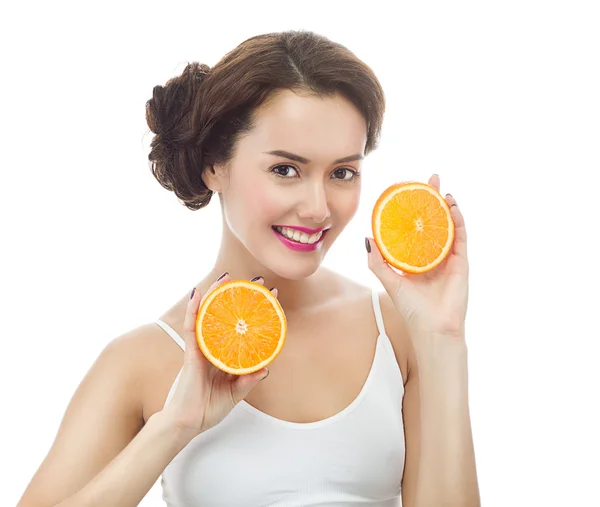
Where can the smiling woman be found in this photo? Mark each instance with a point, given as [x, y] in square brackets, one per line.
[278, 130]
[300, 161]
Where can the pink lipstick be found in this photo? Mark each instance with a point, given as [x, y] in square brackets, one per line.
[296, 245]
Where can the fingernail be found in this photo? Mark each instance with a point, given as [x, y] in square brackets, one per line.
[222, 276]
[367, 245]
[271, 288]
[265, 375]
[193, 292]
[256, 278]
[449, 195]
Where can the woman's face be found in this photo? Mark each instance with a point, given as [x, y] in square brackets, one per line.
[297, 169]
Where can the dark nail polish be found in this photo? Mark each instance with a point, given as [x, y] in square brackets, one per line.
[271, 288]
[193, 292]
[222, 276]
[367, 245]
[265, 375]
[256, 278]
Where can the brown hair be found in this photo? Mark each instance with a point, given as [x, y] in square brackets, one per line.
[198, 116]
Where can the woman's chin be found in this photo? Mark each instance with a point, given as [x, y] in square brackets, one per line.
[290, 262]
[293, 268]
[296, 272]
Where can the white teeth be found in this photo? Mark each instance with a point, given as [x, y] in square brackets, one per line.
[299, 237]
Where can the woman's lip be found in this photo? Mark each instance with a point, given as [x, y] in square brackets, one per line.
[302, 229]
[299, 247]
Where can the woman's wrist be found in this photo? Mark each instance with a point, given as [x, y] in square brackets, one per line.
[434, 347]
[172, 429]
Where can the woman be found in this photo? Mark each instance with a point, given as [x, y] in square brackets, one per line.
[366, 404]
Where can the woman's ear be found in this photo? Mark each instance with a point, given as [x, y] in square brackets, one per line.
[211, 178]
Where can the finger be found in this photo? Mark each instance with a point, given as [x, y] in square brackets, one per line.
[460, 231]
[434, 181]
[189, 322]
[245, 383]
[274, 291]
[191, 314]
[389, 278]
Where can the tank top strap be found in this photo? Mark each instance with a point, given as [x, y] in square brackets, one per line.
[392, 373]
[171, 332]
[179, 341]
[377, 311]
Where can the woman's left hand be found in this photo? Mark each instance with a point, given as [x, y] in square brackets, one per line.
[432, 303]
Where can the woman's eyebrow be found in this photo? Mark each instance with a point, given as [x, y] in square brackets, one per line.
[303, 160]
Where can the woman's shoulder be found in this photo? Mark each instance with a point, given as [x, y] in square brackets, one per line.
[397, 331]
[152, 358]
[345, 291]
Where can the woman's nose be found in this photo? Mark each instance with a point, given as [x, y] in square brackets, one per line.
[314, 205]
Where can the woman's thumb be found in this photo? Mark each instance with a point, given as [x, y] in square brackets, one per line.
[245, 383]
[381, 269]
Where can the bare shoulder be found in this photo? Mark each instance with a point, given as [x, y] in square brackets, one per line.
[139, 361]
[345, 291]
[397, 332]
[161, 363]
[150, 354]
[155, 358]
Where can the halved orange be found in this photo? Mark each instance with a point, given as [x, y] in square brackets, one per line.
[240, 327]
[412, 226]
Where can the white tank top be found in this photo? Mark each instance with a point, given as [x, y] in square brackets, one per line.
[251, 459]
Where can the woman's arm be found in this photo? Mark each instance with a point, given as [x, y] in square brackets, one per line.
[130, 475]
[439, 468]
[100, 456]
[433, 307]
[446, 474]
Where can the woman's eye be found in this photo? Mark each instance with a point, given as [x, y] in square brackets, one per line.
[345, 174]
[285, 171]
[289, 171]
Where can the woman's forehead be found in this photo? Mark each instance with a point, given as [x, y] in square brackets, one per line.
[310, 126]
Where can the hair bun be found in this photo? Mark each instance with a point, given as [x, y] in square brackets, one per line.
[171, 103]
[175, 160]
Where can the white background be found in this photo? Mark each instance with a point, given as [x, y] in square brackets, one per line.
[502, 99]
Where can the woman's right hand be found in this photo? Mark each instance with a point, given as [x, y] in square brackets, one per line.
[205, 394]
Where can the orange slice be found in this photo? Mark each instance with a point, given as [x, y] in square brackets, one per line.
[413, 227]
[240, 327]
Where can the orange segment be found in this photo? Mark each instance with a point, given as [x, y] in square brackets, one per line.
[413, 227]
[241, 327]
